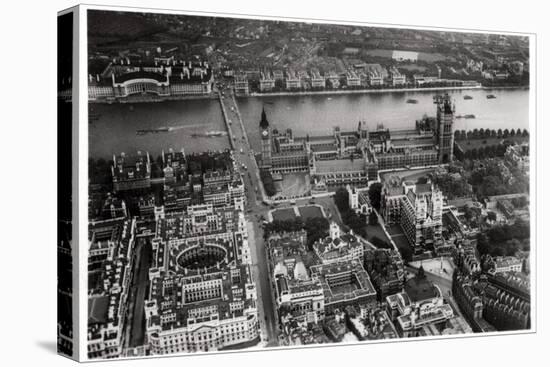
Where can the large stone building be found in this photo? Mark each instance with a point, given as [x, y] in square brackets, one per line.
[313, 285]
[161, 77]
[385, 268]
[501, 301]
[419, 308]
[202, 296]
[417, 208]
[298, 297]
[355, 157]
[131, 172]
[338, 247]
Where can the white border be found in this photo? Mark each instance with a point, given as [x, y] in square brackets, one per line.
[533, 98]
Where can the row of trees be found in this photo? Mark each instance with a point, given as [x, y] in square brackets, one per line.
[490, 133]
[488, 151]
[505, 240]
[269, 184]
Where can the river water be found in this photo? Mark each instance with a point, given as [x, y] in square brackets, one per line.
[114, 128]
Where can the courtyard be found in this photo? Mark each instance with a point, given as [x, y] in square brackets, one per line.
[293, 185]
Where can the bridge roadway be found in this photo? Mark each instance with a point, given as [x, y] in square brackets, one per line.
[256, 210]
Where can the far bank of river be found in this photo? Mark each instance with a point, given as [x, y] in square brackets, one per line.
[213, 95]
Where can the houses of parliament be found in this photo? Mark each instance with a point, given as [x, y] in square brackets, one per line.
[355, 157]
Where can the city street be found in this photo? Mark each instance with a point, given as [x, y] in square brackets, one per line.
[136, 321]
[255, 210]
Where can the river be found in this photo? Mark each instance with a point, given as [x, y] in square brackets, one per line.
[114, 128]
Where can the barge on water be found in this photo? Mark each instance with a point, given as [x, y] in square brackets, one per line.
[153, 131]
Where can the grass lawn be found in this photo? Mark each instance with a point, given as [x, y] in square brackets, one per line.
[283, 214]
[470, 144]
[310, 211]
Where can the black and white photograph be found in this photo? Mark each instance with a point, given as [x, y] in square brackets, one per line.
[274, 183]
[260, 183]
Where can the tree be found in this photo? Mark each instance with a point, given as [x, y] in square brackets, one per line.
[380, 243]
[493, 133]
[481, 152]
[341, 198]
[518, 132]
[499, 133]
[316, 228]
[525, 133]
[491, 216]
[373, 218]
[375, 194]
[267, 180]
[512, 133]
[505, 133]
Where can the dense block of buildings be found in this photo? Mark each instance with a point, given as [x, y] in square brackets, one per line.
[110, 263]
[338, 247]
[131, 172]
[240, 84]
[355, 157]
[202, 296]
[344, 284]
[267, 81]
[315, 286]
[420, 309]
[385, 268]
[298, 297]
[501, 300]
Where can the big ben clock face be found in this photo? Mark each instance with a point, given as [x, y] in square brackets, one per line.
[264, 133]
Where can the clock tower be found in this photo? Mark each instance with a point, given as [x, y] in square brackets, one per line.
[444, 127]
[265, 139]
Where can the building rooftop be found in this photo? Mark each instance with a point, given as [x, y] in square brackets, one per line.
[340, 165]
[420, 289]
